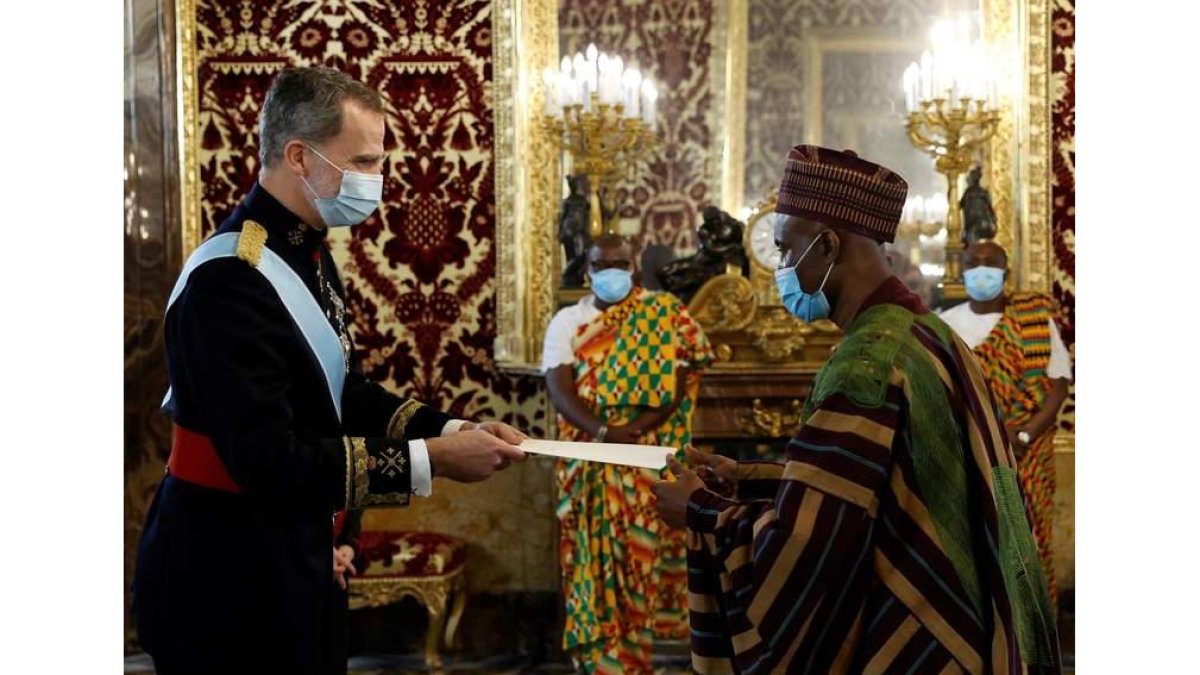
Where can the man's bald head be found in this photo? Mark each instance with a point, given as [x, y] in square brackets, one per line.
[610, 251]
[986, 253]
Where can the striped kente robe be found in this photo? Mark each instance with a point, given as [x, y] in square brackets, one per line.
[894, 540]
[1014, 358]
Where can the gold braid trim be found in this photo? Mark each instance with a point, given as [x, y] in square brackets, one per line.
[251, 242]
[361, 482]
[402, 417]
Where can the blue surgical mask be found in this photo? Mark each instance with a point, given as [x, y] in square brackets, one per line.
[984, 284]
[612, 285]
[359, 197]
[807, 307]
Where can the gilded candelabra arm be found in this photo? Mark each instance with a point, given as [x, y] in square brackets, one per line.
[939, 112]
[923, 142]
[986, 125]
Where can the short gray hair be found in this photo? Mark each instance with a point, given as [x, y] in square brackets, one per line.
[306, 104]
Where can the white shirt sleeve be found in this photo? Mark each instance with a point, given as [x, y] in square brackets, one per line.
[1060, 359]
[556, 349]
[452, 427]
[422, 473]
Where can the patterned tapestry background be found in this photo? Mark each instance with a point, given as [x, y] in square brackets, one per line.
[671, 41]
[420, 273]
[1062, 223]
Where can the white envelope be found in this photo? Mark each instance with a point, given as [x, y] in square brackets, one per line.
[644, 456]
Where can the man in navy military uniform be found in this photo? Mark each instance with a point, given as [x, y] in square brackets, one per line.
[275, 428]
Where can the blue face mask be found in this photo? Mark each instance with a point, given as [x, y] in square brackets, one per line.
[984, 283]
[358, 198]
[807, 307]
[612, 285]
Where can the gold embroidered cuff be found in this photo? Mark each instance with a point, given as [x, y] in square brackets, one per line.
[361, 482]
[401, 418]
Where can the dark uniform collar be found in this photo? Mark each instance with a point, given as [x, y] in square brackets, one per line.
[282, 225]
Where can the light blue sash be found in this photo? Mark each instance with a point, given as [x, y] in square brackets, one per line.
[299, 302]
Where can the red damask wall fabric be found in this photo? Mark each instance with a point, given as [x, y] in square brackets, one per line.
[1062, 217]
[420, 272]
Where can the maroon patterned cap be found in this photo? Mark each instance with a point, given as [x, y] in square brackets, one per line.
[842, 191]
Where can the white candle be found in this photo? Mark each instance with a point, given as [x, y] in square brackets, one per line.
[613, 78]
[650, 92]
[926, 75]
[602, 77]
[618, 68]
[565, 89]
[910, 87]
[632, 80]
[593, 64]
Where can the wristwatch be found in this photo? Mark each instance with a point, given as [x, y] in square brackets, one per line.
[601, 433]
[1024, 437]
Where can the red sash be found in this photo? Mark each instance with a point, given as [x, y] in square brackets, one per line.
[195, 460]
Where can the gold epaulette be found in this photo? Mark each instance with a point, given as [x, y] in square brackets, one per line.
[251, 242]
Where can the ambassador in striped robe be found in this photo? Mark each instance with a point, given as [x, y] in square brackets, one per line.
[894, 539]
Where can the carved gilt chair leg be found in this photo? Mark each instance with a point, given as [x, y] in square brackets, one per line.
[436, 606]
[459, 589]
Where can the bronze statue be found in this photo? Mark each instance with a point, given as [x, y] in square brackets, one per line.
[573, 232]
[721, 247]
[979, 218]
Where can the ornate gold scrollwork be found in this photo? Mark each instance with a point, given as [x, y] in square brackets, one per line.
[724, 353]
[725, 302]
[772, 423]
[779, 335]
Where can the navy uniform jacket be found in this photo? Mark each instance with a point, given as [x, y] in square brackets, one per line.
[224, 577]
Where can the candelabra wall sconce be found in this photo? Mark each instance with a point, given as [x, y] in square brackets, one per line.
[952, 114]
[604, 115]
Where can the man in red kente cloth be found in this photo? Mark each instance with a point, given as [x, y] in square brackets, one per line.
[894, 538]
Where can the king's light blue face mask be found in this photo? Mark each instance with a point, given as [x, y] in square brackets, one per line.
[807, 307]
[984, 284]
[612, 285]
[359, 197]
